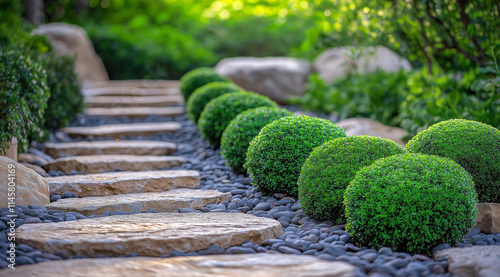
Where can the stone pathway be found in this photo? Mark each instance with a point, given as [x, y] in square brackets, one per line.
[125, 91]
[118, 130]
[132, 101]
[134, 111]
[135, 84]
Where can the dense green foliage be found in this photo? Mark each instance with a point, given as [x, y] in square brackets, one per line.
[66, 100]
[242, 129]
[331, 167]
[219, 112]
[202, 95]
[23, 97]
[275, 156]
[411, 203]
[197, 78]
[473, 145]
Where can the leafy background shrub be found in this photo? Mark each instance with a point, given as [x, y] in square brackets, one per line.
[219, 112]
[411, 203]
[202, 95]
[473, 145]
[275, 156]
[198, 78]
[242, 129]
[331, 167]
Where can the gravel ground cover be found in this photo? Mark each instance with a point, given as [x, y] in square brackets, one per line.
[302, 234]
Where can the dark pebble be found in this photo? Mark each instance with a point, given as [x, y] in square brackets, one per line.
[240, 250]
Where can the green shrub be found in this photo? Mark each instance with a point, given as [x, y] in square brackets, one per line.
[221, 110]
[473, 145]
[411, 203]
[66, 100]
[23, 97]
[201, 96]
[329, 169]
[275, 156]
[242, 129]
[198, 78]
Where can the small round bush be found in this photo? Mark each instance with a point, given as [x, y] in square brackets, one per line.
[201, 96]
[275, 156]
[473, 145]
[198, 78]
[331, 166]
[221, 110]
[411, 203]
[242, 129]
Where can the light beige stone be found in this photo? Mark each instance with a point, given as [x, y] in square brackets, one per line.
[278, 78]
[370, 127]
[261, 265]
[110, 147]
[30, 187]
[488, 219]
[480, 261]
[118, 130]
[105, 163]
[11, 151]
[72, 40]
[113, 183]
[132, 101]
[163, 201]
[36, 168]
[129, 91]
[32, 159]
[335, 63]
[148, 234]
[135, 83]
[134, 111]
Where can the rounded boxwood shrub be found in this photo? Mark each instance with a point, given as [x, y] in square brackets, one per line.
[473, 145]
[411, 203]
[197, 78]
[202, 95]
[275, 156]
[329, 169]
[221, 110]
[242, 129]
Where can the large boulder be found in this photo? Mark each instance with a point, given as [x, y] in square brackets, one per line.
[30, 187]
[480, 261]
[72, 40]
[488, 219]
[279, 78]
[335, 62]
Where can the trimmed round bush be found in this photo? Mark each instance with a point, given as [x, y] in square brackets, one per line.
[242, 129]
[197, 78]
[473, 145]
[221, 110]
[330, 167]
[275, 156]
[201, 96]
[411, 203]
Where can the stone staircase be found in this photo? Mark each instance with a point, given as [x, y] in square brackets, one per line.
[143, 182]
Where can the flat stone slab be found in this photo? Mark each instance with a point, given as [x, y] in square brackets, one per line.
[135, 83]
[165, 201]
[114, 183]
[105, 163]
[262, 265]
[134, 111]
[147, 234]
[481, 261]
[118, 130]
[488, 219]
[133, 101]
[129, 91]
[110, 147]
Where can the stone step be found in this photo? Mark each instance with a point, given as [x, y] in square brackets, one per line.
[106, 163]
[472, 261]
[134, 111]
[129, 91]
[118, 130]
[133, 101]
[147, 234]
[135, 84]
[110, 147]
[113, 183]
[164, 201]
[263, 265]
